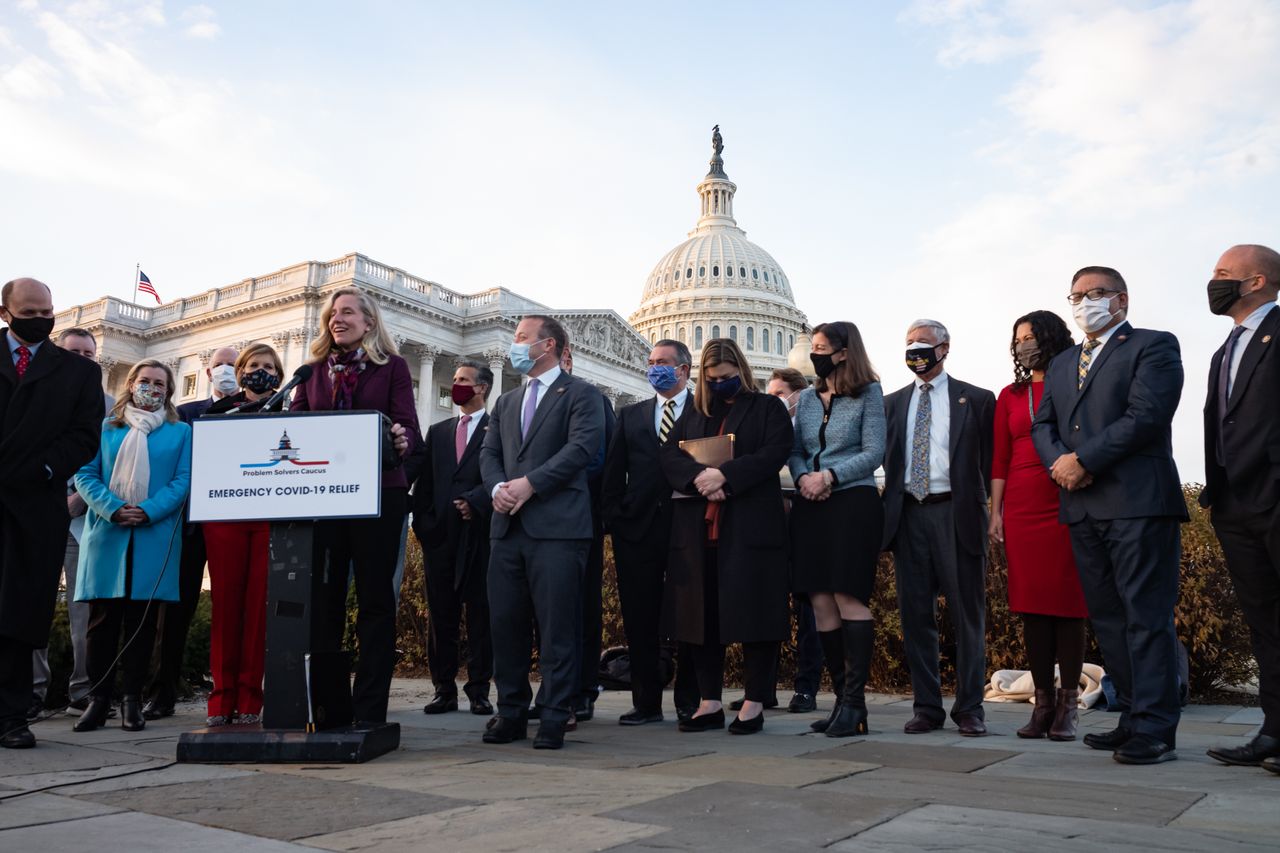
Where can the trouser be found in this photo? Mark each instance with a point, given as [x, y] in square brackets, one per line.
[1251, 544]
[536, 578]
[591, 626]
[927, 561]
[113, 621]
[759, 659]
[238, 553]
[1129, 572]
[808, 648]
[371, 544]
[15, 683]
[445, 603]
[173, 619]
[78, 618]
[398, 578]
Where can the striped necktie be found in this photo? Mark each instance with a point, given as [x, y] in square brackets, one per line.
[668, 421]
[1086, 358]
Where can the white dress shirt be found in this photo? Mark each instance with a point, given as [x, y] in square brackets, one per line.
[1251, 324]
[680, 399]
[1102, 343]
[939, 433]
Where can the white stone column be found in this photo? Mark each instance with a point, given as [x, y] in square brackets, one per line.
[280, 340]
[427, 355]
[497, 358]
[202, 377]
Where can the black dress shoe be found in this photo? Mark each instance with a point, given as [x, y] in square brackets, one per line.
[585, 709]
[131, 719]
[1144, 749]
[1272, 764]
[1108, 741]
[1251, 754]
[14, 734]
[704, 723]
[550, 735]
[740, 726]
[683, 714]
[157, 708]
[635, 717]
[971, 725]
[94, 716]
[802, 703]
[481, 706]
[79, 704]
[506, 730]
[442, 703]
[920, 724]
[35, 709]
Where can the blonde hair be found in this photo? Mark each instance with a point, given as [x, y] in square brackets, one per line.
[378, 345]
[720, 351]
[117, 411]
[253, 350]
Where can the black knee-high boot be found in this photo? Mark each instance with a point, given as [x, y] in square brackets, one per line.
[851, 714]
[833, 657]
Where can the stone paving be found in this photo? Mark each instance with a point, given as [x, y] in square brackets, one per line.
[644, 789]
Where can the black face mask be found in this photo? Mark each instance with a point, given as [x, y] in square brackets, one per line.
[1223, 293]
[260, 381]
[822, 364]
[32, 330]
[920, 361]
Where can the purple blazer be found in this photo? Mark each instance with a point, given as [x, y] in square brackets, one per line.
[387, 388]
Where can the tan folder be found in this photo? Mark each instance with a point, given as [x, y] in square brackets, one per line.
[712, 451]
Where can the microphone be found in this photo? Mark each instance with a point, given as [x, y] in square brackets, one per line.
[302, 374]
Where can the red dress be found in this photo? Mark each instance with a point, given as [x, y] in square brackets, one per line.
[1042, 569]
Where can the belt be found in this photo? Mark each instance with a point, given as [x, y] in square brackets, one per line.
[935, 498]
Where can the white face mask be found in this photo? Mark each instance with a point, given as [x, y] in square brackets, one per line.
[1092, 314]
[224, 379]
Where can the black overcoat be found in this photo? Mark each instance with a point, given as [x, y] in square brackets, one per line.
[752, 551]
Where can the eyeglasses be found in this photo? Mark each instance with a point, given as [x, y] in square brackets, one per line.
[1096, 293]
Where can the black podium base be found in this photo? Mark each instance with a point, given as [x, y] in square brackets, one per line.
[255, 745]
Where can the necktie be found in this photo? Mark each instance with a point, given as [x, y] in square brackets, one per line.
[668, 421]
[1086, 358]
[1224, 387]
[530, 406]
[460, 437]
[919, 485]
[24, 361]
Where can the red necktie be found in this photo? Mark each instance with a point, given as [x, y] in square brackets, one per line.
[24, 361]
[460, 437]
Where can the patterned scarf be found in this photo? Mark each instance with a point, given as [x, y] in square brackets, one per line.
[344, 372]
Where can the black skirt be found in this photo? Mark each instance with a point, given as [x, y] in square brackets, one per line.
[835, 544]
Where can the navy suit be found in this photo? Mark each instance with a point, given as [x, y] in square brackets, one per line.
[1124, 525]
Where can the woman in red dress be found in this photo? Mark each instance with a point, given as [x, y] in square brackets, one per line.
[1044, 587]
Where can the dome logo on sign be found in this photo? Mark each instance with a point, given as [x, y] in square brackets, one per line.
[283, 452]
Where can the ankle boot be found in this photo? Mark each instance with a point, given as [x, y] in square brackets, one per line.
[851, 718]
[95, 715]
[1041, 715]
[1065, 715]
[833, 657]
[131, 719]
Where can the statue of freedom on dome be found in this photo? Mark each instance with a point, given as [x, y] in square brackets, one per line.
[717, 145]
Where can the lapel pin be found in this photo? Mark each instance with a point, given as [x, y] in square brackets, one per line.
[1266, 339]
[1122, 337]
[961, 401]
[559, 390]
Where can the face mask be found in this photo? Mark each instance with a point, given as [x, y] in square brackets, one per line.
[662, 377]
[519, 355]
[1028, 355]
[725, 389]
[1092, 314]
[224, 379]
[260, 381]
[822, 364]
[462, 394]
[148, 397]
[922, 357]
[1223, 293]
[32, 330]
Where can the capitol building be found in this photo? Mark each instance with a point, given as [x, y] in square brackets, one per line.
[714, 284]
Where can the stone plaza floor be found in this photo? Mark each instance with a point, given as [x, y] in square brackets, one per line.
[646, 788]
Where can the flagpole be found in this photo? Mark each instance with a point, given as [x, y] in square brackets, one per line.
[137, 272]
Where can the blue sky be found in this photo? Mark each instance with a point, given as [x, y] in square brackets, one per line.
[949, 159]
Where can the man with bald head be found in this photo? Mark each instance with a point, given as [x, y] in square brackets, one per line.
[50, 423]
[1242, 469]
[174, 617]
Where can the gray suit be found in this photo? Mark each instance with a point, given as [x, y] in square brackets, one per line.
[539, 554]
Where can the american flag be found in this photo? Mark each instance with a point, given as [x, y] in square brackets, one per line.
[144, 284]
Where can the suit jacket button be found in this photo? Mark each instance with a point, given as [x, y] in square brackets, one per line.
[1076, 428]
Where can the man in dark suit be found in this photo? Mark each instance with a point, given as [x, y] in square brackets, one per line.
[637, 511]
[541, 439]
[1242, 469]
[173, 619]
[50, 425]
[451, 509]
[1104, 432]
[937, 475]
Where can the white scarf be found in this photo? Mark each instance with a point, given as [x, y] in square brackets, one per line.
[131, 477]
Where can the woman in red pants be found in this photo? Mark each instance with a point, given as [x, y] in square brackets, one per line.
[238, 570]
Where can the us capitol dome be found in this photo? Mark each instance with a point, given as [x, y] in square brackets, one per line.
[718, 284]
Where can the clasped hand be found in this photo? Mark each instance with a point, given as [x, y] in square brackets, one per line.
[463, 508]
[813, 487]
[130, 516]
[512, 495]
[1068, 473]
[710, 484]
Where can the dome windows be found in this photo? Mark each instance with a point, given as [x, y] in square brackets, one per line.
[779, 343]
[766, 275]
[715, 332]
[702, 272]
[764, 338]
[742, 272]
[697, 338]
[751, 337]
[728, 271]
[755, 273]
[733, 333]
[688, 273]
[715, 272]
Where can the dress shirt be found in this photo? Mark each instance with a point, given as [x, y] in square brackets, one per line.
[939, 434]
[1250, 323]
[471, 424]
[545, 381]
[680, 399]
[14, 343]
[1102, 343]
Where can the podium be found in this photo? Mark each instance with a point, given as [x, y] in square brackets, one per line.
[292, 470]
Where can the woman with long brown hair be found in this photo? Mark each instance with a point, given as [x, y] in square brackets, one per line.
[727, 576]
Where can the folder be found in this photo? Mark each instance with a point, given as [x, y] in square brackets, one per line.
[712, 451]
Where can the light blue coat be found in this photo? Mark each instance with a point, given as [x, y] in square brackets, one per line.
[156, 546]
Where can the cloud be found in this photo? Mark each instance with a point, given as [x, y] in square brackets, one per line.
[199, 23]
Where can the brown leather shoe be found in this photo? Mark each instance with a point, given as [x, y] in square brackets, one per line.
[920, 725]
[971, 725]
[1041, 716]
[1065, 716]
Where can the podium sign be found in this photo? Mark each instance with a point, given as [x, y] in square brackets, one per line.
[283, 467]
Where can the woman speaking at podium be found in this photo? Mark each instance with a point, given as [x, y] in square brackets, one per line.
[355, 366]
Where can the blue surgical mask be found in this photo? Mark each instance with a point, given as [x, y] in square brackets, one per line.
[725, 389]
[662, 377]
[519, 355]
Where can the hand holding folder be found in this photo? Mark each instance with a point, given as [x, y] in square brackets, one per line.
[712, 452]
